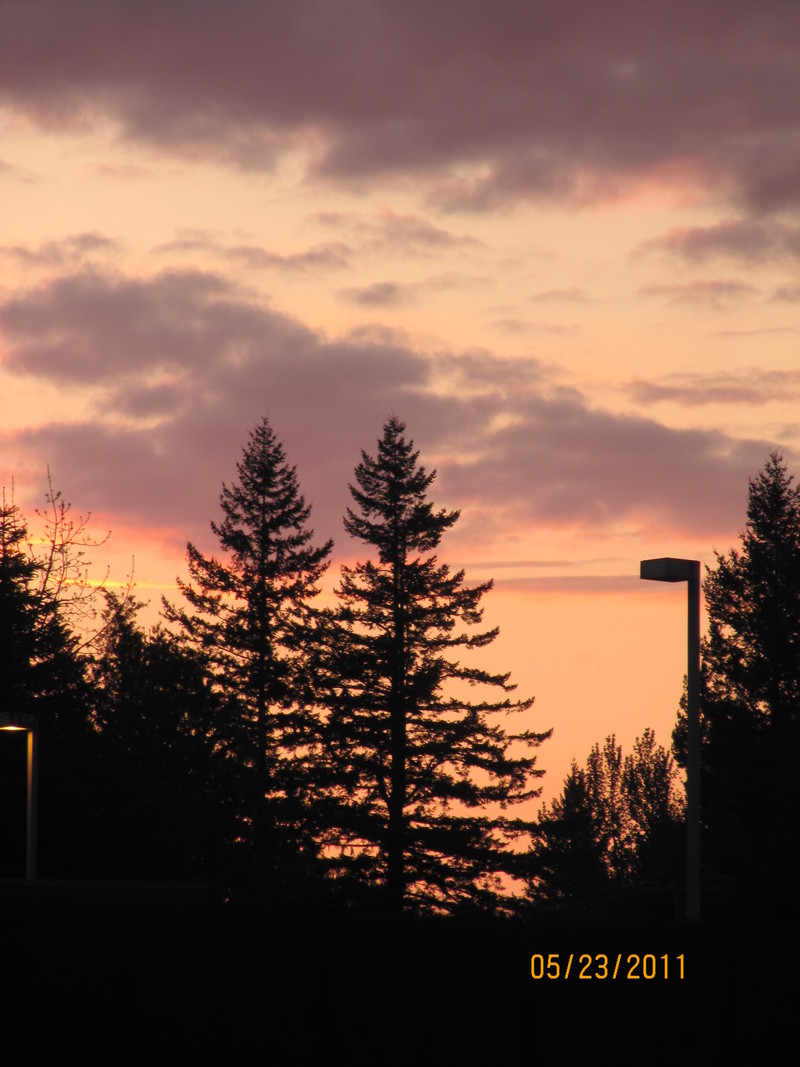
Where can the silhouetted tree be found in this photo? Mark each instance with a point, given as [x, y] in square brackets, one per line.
[615, 827]
[38, 661]
[656, 803]
[18, 612]
[169, 792]
[250, 616]
[750, 701]
[62, 566]
[568, 861]
[40, 673]
[418, 764]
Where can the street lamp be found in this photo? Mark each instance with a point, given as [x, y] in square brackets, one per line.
[12, 721]
[668, 569]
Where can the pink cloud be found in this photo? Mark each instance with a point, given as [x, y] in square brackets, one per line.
[397, 294]
[750, 241]
[380, 294]
[716, 293]
[330, 255]
[64, 252]
[522, 327]
[573, 295]
[789, 294]
[570, 100]
[184, 364]
[759, 331]
[70, 329]
[389, 233]
[749, 386]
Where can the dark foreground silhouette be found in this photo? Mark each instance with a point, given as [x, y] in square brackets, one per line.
[134, 978]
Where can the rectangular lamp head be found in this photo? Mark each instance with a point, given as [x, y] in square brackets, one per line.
[10, 720]
[667, 569]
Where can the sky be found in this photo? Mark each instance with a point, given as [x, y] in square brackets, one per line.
[560, 241]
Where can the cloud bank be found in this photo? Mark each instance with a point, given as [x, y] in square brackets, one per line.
[182, 364]
[488, 102]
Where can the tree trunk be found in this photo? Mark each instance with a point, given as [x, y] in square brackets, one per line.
[397, 796]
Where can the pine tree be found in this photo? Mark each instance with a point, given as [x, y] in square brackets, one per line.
[752, 654]
[750, 701]
[568, 863]
[169, 792]
[41, 673]
[250, 614]
[18, 612]
[415, 759]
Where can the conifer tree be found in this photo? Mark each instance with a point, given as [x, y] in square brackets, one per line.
[169, 792]
[18, 614]
[752, 653]
[750, 702]
[568, 862]
[250, 614]
[41, 673]
[418, 763]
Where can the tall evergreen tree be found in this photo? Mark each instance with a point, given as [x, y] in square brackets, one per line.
[750, 701]
[169, 793]
[40, 673]
[18, 614]
[250, 614]
[39, 667]
[418, 763]
[568, 862]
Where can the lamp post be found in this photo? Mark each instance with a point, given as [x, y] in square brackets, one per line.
[668, 569]
[25, 721]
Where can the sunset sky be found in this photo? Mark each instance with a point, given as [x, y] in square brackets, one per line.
[559, 240]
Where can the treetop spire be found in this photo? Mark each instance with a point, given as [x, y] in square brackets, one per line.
[391, 494]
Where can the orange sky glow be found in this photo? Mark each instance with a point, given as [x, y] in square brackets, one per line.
[564, 251]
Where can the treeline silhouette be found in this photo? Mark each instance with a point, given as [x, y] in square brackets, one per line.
[303, 758]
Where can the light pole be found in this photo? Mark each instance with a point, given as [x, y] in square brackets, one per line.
[25, 721]
[668, 569]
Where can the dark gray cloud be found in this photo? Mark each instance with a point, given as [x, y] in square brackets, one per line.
[478, 369]
[746, 240]
[561, 462]
[184, 365]
[566, 100]
[97, 327]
